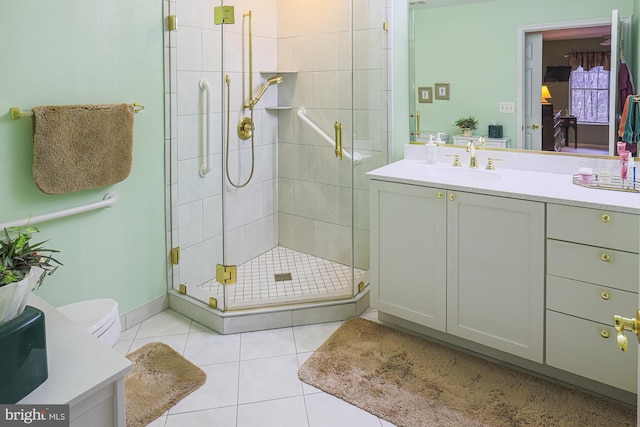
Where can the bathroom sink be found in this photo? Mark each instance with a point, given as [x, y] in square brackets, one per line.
[466, 174]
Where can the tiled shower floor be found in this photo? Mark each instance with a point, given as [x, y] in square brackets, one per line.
[312, 279]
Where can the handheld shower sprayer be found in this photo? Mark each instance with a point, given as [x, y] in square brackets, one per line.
[272, 81]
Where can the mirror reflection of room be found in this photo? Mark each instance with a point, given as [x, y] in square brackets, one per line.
[575, 90]
[497, 77]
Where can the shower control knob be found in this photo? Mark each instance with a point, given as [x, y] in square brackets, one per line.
[245, 128]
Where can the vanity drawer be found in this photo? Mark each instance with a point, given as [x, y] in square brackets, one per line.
[607, 267]
[588, 301]
[593, 227]
[578, 346]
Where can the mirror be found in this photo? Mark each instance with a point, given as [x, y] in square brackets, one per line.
[474, 49]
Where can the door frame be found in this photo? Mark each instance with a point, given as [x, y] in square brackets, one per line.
[521, 31]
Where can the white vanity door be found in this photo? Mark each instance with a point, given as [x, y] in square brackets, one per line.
[495, 272]
[408, 250]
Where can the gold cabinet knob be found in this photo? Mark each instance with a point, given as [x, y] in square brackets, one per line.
[452, 197]
[606, 218]
[605, 295]
[604, 333]
[605, 257]
[439, 194]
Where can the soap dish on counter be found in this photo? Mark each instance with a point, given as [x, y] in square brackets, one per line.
[615, 184]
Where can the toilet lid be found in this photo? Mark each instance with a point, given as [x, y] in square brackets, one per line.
[93, 315]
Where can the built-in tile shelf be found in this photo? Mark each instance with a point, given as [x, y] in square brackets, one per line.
[286, 102]
[264, 73]
[278, 107]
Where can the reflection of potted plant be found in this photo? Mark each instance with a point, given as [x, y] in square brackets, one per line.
[467, 125]
[23, 265]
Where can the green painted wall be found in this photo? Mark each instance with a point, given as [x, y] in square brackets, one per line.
[474, 47]
[88, 51]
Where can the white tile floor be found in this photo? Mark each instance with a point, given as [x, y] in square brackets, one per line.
[252, 378]
[312, 278]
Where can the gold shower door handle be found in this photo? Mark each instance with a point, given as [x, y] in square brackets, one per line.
[622, 324]
[417, 116]
[338, 128]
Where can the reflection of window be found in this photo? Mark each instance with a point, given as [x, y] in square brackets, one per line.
[589, 94]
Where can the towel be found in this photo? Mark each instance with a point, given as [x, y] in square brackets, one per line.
[632, 125]
[78, 147]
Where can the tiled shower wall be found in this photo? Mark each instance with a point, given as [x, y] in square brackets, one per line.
[299, 195]
[314, 186]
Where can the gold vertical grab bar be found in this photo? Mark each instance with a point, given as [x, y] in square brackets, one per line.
[248, 104]
[338, 128]
[417, 116]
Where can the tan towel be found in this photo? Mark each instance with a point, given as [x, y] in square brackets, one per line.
[77, 147]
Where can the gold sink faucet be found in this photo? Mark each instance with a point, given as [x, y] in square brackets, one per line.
[471, 149]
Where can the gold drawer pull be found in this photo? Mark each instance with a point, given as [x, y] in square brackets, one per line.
[605, 257]
[604, 333]
[452, 197]
[606, 218]
[605, 295]
[440, 194]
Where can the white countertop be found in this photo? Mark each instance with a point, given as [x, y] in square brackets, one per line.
[78, 363]
[517, 184]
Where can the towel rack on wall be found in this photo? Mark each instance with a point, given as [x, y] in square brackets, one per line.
[16, 113]
[109, 200]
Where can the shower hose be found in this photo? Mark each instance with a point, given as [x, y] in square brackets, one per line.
[228, 82]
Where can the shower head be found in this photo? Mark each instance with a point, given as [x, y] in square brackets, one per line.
[272, 81]
[275, 80]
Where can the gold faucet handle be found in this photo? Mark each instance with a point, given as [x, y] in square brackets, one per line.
[481, 141]
[490, 165]
[456, 160]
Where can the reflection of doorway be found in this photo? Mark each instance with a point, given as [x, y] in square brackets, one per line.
[586, 135]
[530, 74]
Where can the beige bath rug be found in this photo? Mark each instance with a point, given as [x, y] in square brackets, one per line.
[160, 378]
[412, 382]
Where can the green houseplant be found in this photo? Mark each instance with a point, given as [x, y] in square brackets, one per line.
[23, 265]
[467, 125]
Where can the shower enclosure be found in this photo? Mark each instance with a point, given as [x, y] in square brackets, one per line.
[276, 109]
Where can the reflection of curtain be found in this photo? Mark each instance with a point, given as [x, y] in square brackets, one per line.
[588, 60]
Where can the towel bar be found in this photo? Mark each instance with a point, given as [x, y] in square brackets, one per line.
[16, 113]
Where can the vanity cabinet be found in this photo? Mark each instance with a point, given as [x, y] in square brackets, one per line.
[592, 274]
[466, 264]
[495, 272]
[408, 259]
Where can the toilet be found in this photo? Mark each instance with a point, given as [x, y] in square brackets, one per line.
[99, 317]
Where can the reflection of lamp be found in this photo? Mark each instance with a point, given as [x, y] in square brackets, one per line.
[545, 94]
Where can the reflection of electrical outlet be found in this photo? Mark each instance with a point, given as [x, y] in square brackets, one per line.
[506, 107]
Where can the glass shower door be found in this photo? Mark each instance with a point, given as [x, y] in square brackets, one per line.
[192, 62]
